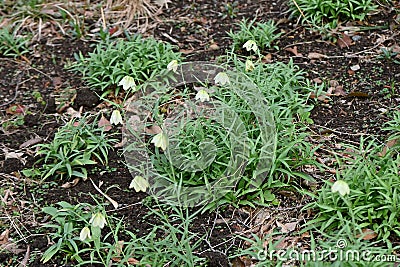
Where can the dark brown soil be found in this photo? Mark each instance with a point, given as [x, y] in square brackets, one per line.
[199, 29]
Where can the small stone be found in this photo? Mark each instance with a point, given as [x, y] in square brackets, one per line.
[214, 47]
[383, 110]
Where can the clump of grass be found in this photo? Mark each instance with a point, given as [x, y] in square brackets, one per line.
[328, 14]
[12, 45]
[75, 146]
[372, 173]
[286, 92]
[268, 102]
[85, 234]
[112, 60]
[263, 33]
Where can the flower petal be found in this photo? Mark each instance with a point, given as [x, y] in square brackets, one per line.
[139, 184]
[127, 82]
[249, 65]
[202, 95]
[98, 220]
[160, 140]
[341, 186]
[221, 78]
[85, 234]
[116, 117]
[251, 45]
[173, 65]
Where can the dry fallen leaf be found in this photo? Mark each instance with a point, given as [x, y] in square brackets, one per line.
[287, 227]
[71, 184]
[31, 142]
[283, 244]
[154, 129]
[103, 122]
[344, 41]
[305, 235]
[267, 58]
[357, 94]
[329, 91]
[214, 46]
[322, 97]
[283, 228]
[186, 51]
[73, 113]
[333, 83]
[4, 237]
[389, 144]
[317, 80]
[339, 91]
[291, 226]
[57, 82]
[16, 109]
[14, 155]
[237, 262]
[294, 51]
[314, 55]
[133, 261]
[367, 234]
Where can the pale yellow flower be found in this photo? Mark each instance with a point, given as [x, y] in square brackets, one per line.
[116, 117]
[342, 187]
[127, 82]
[160, 140]
[98, 220]
[251, 45]
[202, 95]
[173, 65]
[221, 78]
[249, 65]
[139, 184]
[85, 234]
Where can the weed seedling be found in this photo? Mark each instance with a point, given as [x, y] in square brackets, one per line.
[111, 61]
[262, 33]
[76, 145]
[12, 45]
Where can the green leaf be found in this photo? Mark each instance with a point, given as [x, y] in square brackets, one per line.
[33, 172]
[50, 210]
[49, 253]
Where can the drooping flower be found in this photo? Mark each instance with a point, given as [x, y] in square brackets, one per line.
[250, 45]
[173, 65]
[160, 140]
[202, 95]
[139, 184]
[341, 187]
[116, 117]
[98, 220]
[221, 78]
[249, 65]
[85, 234]
[127, 82]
